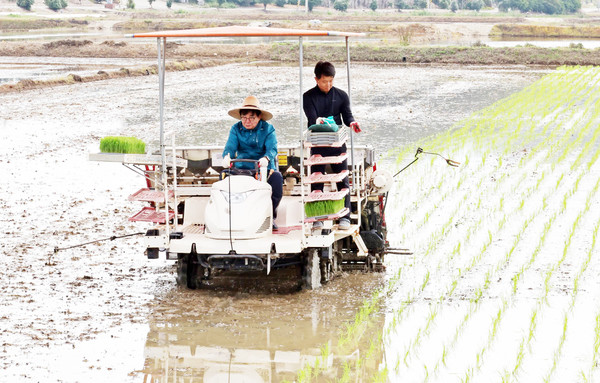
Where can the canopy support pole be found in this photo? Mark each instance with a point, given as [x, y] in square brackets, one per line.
[301, 126]
[161, 47]
[301, 111]
[353, 188]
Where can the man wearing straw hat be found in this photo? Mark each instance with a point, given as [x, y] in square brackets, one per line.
[254, 138]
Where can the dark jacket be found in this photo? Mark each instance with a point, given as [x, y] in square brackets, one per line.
[252, 144]
[335, 103]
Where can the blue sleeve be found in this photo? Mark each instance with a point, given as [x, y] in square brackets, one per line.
[231, 146]
[271, 146]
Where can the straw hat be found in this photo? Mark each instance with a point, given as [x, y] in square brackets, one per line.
[250, 103]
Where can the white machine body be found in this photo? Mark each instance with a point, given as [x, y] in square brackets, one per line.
[251, 209]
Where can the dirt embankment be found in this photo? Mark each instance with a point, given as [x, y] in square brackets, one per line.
[193, 56]
[20, 24]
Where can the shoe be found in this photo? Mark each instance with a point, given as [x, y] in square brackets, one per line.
[275, 226]
[344, 224]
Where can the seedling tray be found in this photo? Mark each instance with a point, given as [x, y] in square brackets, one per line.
[317, 159]
[149, 195]
[149, 214]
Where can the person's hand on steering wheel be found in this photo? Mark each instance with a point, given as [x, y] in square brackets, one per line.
[226, 161]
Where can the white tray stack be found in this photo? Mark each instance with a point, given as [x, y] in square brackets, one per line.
[327, 138]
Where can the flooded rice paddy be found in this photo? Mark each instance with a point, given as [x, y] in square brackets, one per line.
[106, 313]
[14, 69]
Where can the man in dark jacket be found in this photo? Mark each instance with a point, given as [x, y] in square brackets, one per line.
[325, 100]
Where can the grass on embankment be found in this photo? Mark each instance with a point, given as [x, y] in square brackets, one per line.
[24, 23]
[545, 31]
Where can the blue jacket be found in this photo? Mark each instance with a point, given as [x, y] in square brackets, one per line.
[252, 144]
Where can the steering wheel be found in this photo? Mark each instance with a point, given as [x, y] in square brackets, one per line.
[241, 172]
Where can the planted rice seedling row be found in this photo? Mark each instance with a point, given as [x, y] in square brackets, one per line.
[475, 261]
[563, 144]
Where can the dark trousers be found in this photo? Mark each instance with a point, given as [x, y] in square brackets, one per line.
[335, 168]
[276, 182]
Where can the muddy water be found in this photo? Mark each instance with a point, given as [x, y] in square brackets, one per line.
[246, 332]
[14, 69]
[104, 312]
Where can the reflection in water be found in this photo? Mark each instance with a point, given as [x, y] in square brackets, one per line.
[242, 332]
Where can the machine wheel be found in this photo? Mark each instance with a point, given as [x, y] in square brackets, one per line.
[188, 272]
[337, 258]
[182, 267]
[311, 270]
[326, 266]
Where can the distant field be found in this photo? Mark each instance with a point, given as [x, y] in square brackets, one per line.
[193, 56]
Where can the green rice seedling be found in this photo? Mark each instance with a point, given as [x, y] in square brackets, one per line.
[519, 359]
[325, 353]
[113, 144]
[496, 322]
[575, 290]
[532, 326]
[452, 288]
[583, 376]
[515, 282]
[486, 283]
[431, 318]
[558, 350]
[559, 181]
[444, 355]
[406, 355]
[346, 373]
[318, 208]
[304, 375]
[597, 337]
[502, 222]
[547, 283]
[540, 179]
[468, 376]
[425, 281]
[381, 376]
[479, 358]
[456, 250]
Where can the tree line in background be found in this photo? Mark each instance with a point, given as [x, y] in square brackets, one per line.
[55, 5]
[551, 7]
